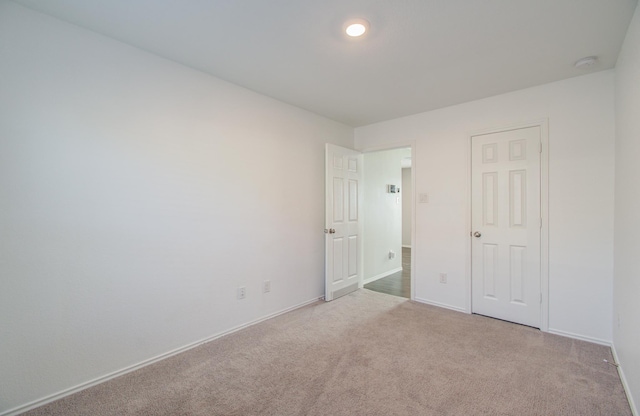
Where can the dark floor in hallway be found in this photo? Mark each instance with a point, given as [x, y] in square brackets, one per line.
[397, 284]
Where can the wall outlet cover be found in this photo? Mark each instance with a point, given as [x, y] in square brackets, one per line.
[242, 292]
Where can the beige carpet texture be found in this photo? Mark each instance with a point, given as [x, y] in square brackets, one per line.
[368, 354]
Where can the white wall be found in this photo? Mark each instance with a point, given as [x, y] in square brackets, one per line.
[382, 213]
[406, 207]
[626, 288]
[136, 196]
[581, 123]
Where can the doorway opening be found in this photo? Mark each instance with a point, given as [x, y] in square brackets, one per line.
[388, 204]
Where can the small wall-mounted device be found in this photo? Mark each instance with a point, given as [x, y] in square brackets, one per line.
[392, 189]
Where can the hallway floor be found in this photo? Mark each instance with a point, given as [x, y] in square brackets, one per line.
[397, 284]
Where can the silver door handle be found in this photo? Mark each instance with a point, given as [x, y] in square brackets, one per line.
[477, 234]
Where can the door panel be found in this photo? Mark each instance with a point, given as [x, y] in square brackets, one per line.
[506, 223]
[343, 221]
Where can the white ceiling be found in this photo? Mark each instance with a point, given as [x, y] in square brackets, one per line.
[419, 54]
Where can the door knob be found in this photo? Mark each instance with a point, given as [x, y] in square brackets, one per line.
[477, 234]
[329, 231]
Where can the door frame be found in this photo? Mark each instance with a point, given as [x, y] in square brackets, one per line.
[391, 146]
[544, 212]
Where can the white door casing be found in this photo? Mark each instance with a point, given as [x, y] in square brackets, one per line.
[343, 221]
[506, 225]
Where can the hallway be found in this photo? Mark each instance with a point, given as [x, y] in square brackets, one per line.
[397, 284]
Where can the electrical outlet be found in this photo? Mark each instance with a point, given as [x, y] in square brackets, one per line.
[443, 278]
[392, 254]
[266, 286]
[242, 292]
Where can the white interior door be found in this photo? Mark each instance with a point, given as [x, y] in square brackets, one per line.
[343, 248]
[506, 225]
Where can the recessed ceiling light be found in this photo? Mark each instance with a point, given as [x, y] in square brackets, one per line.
[586, 62]
[356, 27]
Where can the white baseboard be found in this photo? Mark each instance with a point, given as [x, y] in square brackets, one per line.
[625, 385]
[580, 337]
[441, 305]
[53, 397]
[377, 277]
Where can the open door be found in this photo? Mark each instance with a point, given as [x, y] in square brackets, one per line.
[343, 222]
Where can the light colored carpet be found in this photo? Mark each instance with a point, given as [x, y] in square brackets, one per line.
[368, 354]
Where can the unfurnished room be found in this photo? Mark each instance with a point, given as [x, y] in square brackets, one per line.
[356, 207]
